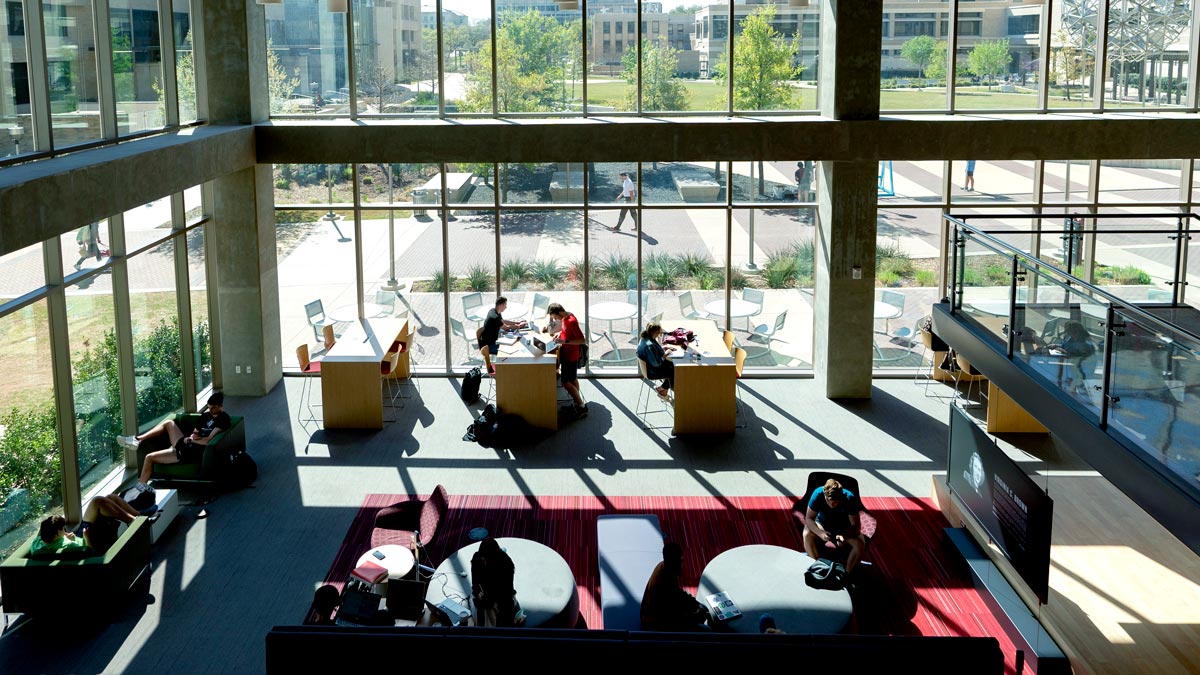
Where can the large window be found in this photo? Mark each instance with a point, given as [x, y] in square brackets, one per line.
[202, 363]
[185, 60]
[306, 59]
[71, 66]
[154, 312]
[137, 65]
[95, 379]
[16, 135]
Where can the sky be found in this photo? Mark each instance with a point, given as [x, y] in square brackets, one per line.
[480, 9]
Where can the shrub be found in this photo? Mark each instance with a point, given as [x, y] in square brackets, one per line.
[996, 275]
[661, 270]
[888, 279]
[805, 253]
[479, 278]
[926, 278]
[971, 278]
[692, 264]
[889, 250]
[901, 267]
[617, 268]
[282, 184]
[782, 276]
[513, 272]
[437, 282]
[1129, 275]
[737, 280]
[29, 453]
[547, 272]
[708, 280]
[297, 216]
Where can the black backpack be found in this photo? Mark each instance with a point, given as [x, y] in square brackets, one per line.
[242, 470]
[483, 428]
[470, 385]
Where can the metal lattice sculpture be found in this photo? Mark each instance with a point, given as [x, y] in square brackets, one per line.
[1137, 29]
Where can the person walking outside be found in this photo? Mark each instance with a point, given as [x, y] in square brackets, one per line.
[969, 182]
[628, 195]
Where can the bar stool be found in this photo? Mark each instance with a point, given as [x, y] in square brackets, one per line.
[330, 338]
[389, 365]
[643, 410]
[739, 360]
[308, 367]
[489, 373]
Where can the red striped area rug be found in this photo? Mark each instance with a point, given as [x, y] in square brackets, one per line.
[914, 588]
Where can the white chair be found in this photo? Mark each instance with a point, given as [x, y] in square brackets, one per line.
[472, 302]
[456, 328]
[688, 308]
[896, 300]
[631, 296]
[767, 332]
[642, 409]
[315, 311]
[541, 306]
[756, 296]
[386, 301]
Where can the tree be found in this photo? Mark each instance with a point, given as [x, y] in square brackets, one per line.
[426, 66]
[661, 90]
[529, 65]
[687, 9]
[1069, 62]
[937, 63]
[185, 83]
[919, 51]
[280, 86]
[763, 63]
[377, 82]
[989, 59]
[457, 39]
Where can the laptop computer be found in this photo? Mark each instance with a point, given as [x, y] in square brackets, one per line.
[406, 598]
[546, 346]
[359, 608]
[533, 328]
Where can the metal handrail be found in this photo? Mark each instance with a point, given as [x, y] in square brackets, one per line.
[1003, 248]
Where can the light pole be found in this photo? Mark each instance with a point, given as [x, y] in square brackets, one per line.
[332, 217]
[16, 132]
[391, 284]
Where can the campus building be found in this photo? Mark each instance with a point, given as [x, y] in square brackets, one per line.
[180, 216]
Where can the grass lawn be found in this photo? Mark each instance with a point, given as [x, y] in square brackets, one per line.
[703, 95]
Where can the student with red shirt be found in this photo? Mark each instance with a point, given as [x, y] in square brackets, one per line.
[570, 337]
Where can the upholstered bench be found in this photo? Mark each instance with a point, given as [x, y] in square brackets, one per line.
[168, 508]
[629, 547]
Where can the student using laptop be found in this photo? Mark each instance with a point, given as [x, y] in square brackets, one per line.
[658, 366]
[489, 334]
[570, 337]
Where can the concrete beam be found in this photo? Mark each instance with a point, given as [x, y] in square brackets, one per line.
[913, 137]
[41, 200]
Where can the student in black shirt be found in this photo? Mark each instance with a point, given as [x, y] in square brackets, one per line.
[489, 334]
[187, 445]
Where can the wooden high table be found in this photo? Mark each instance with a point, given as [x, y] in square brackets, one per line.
[526, 382]
[705, 392]
[351, 396]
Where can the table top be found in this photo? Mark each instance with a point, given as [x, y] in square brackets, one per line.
[544, 582]
[397, 560]
[737, 308]
[612, 311]
[523, 351]
[350, 312]
[367, 340]
[886, 311]
[514, 312]
[770, 579]
[712, 346]
[989, 307]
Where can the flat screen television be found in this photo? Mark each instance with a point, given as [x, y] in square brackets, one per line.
[1015, 512]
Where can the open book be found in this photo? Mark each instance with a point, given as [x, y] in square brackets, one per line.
[722, 606]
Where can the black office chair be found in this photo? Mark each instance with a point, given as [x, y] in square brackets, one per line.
[866, 522]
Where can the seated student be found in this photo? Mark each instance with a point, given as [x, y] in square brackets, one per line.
[833, 516]
[1075, 341]
[665, 605]
[325, 600]
[489, 333]
[97, 531]
[492, 586]
[1028, 342]
[187, 445]
[651, 350]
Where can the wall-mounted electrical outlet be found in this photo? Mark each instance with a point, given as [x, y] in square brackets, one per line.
[249, 370]
[856, 273]
[237, 370]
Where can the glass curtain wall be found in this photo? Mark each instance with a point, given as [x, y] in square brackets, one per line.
[185, 61]
[137, 65]
[72, 72]
[197, 257]
[395, 59]
[16, 106]
[154, 310]
[306, 59]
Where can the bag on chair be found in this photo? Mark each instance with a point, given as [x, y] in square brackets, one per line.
[470, 385]
[826, 575]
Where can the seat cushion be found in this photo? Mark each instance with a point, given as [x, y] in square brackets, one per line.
[313, 367]
[383, 537]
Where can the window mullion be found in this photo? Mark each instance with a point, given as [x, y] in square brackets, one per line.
[170, 93]
[105, 78]
[64, 395]
[39, 78]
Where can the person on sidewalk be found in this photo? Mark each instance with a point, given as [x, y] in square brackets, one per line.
[969, 183]
[628, 195]
[186, 444]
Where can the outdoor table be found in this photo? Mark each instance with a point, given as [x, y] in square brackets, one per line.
[612, 311]
[348, 313]
[770, 580]
[886, 311]
[544, 582]
[514, 312]
[738, 309]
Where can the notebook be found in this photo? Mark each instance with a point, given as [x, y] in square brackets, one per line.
[510, 340]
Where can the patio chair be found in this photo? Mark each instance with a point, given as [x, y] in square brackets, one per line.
[631, 296]
[767, 332]
[755, 296]
[315, 311]
[688, 308]
[386, 301]
[896, 300]
[880, 359]
[472, 302]
[541, 306]
[616, 356]
[456, 328]
[1159, 295]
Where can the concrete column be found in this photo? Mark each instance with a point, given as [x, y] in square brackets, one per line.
[843, 304]
[243, 237]
[243, 226]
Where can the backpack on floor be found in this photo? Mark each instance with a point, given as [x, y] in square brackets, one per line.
[483, 428]
[242, 470]
[470, 385]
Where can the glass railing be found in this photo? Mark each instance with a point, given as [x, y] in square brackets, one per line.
[1134, 371]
